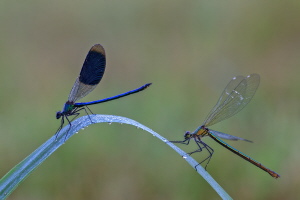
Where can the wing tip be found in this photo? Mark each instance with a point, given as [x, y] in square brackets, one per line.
[98, 48]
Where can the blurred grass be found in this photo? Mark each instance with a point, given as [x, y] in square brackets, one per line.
[189, 50]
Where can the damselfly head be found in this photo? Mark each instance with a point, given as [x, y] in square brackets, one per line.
[187, 135]
[58, 114]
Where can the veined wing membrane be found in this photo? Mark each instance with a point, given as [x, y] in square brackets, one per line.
[234, 98]
[227, 136]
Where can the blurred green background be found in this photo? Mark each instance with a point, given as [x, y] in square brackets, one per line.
[189, 50]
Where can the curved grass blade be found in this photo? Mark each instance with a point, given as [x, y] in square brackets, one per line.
[15, 176]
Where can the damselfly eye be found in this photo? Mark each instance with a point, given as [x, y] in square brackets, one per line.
[187, 135]
[58, 115]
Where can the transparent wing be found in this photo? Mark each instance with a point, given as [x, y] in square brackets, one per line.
[80, 90]
[226, 136]
[237, 94]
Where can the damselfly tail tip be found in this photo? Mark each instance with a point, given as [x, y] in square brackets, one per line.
[275, 175]
[145, 86]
